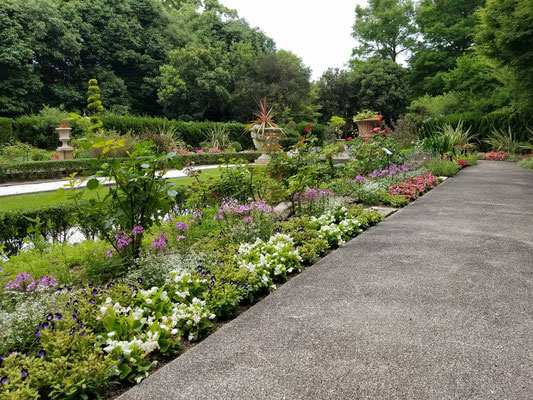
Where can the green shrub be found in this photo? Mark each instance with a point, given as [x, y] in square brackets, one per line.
[526, 162]
[6, 131]
[14, 224]
[439, 167]
[39, 130]
[480, 124]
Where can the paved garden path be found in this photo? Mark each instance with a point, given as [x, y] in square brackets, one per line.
[436, 302]
[13, 188]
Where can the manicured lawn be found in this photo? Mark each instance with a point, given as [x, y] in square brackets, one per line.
[50, 198]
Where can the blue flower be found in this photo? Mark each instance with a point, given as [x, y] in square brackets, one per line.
[72, 331]
[49, 317]
[37, 333]
[3, 380]
[24, 373]
[42, 353]
[59, 316]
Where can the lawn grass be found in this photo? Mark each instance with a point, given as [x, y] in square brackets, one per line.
[51, 198]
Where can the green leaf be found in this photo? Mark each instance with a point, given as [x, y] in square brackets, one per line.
[93, 184]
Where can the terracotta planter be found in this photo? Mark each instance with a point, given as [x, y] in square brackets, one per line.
[265, 142]
[366, 125]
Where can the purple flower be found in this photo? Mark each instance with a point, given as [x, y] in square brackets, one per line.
[24, 373]
[197, 214]
[160, 242]
[248, 219]
[42, 353]
[180, 238]
[182, 226]
[137, 230]
[3, 380]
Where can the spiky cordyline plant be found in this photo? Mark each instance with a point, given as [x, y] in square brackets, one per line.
[264, 118]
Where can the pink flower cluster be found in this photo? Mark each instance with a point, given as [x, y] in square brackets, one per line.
[496, 156]
[203, 150]
[242, 209]
[25, 283]
[414, 186]
[313, 194]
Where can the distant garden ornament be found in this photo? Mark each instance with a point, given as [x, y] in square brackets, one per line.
[367, 121]
[64, 151]
[265, 134]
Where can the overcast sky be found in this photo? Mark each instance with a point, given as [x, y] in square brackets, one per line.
[317, 31]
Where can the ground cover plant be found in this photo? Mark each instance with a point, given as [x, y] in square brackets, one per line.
[165, 263]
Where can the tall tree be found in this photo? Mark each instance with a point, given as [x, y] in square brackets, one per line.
[381, 85]
[385, 28]
[506, 36]
[447, 28]
[337, 94]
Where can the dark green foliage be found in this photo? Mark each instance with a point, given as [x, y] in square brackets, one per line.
[481, 125]
[58, 169]
[6, 131]
[381, 86]
[505, 34]
[385, 28]
[448, 28]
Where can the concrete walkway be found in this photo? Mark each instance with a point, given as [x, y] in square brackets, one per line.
[436, 302]
[13, 189]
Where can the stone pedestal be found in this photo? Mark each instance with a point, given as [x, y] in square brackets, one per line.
[65, 151]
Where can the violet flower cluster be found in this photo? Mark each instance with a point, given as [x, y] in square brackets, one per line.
[160, 242]
[26, 283]
[242, 209]
[313, 194]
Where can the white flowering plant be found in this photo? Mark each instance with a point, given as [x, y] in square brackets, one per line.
[271, 260]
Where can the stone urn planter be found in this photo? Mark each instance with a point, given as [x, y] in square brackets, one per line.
[266, 142]
[366, 125]
[64, 151]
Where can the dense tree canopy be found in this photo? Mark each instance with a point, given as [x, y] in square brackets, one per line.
[385, 28]
[197, 60]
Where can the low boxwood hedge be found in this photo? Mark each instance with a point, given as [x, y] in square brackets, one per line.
[14, 224]
[28, 171]
[40, 131]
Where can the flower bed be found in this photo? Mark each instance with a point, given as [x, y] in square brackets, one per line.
[496, 156]
[170, 264]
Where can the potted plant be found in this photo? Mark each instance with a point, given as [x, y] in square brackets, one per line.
[366, 121]
[265, 134]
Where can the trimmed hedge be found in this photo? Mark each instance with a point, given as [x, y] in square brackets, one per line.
[39, 132]
[6, 130]
[58, 169]
[14, 224]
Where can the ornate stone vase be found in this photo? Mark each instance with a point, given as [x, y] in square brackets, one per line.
[265, 142]
[64, 151]
[366, 125]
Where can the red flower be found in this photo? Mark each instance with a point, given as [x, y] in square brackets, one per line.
[367, 139]
[350, 138]
[380, 117]
[308, 129]
[462, 162]
[55, 155]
